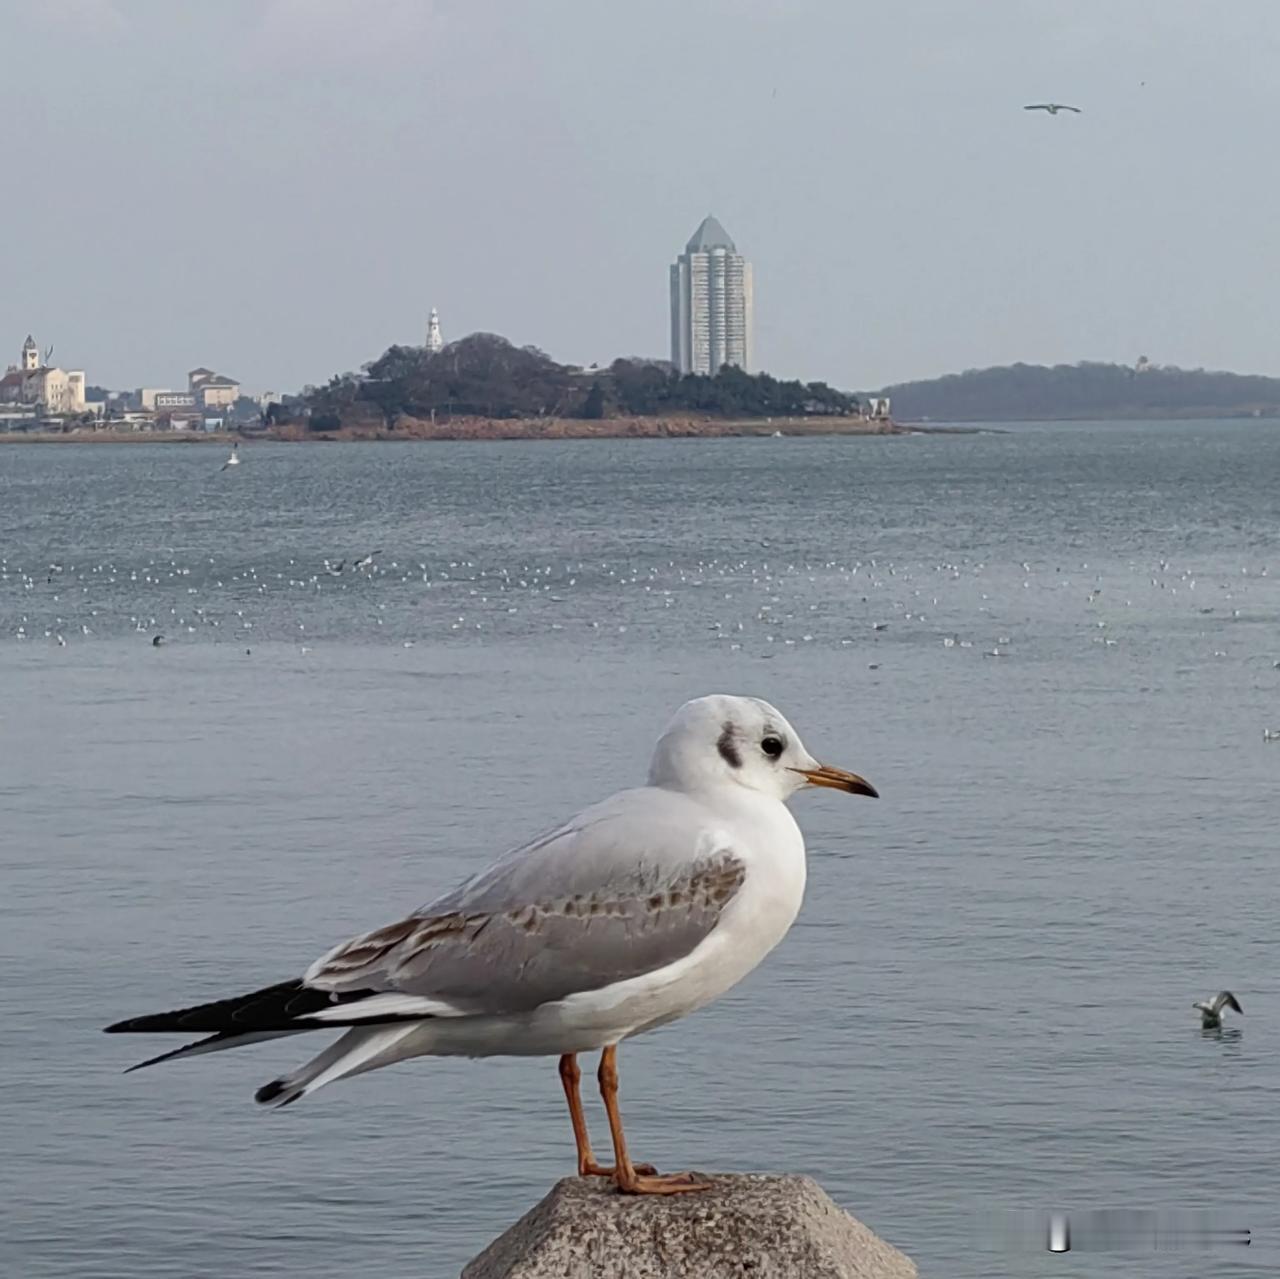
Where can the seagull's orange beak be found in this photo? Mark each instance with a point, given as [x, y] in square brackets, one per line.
[838, 779]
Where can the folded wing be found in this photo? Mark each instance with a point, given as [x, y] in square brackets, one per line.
[616, 894]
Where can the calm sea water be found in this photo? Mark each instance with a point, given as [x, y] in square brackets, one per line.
[985, 1004]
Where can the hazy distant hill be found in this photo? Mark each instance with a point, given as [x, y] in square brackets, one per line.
[1020, 392]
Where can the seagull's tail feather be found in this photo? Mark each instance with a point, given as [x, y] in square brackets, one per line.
[358, 1050]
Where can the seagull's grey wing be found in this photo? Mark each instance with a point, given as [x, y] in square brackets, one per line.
[1037, 106]
[627, 888]
[1225, 999]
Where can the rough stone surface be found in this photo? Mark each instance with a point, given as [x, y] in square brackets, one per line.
[744, 1227]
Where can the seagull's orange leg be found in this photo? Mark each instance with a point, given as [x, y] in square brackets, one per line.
[628, 1177]
[570, 1077]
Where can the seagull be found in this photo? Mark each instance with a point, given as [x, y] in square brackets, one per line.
[1051, 107]
[1211, 1012]
[1271, 734]
[633, 913]
[365, 561]
[334, 569]
[234, 459]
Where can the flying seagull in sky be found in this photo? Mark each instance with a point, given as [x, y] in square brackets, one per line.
[1211, 1012]
[1051, 107]
[638, 910]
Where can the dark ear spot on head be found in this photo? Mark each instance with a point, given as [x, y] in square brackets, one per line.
[727, 748]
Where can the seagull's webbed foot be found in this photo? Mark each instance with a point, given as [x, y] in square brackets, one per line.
[673, 1183]
[589, 1168]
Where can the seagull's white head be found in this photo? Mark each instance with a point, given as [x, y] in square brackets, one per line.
[723, 740]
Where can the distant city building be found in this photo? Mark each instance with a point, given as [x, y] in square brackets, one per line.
[167, 401]
[711, 303]
[435, 342]
[212, 390]
[46, 387]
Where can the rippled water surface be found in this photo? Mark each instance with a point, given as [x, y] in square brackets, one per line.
[1054, 650]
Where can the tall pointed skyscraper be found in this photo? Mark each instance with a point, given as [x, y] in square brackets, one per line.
[711, 303]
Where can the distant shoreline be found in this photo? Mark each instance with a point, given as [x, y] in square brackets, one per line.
[494, 429]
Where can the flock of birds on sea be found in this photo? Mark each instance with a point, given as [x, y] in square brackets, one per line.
[767, 603]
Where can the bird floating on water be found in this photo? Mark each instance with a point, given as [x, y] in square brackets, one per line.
[365, 561]
[637, 911]
[234, 458]
[1051, 107]
[1271, 734]
[1211, 1011]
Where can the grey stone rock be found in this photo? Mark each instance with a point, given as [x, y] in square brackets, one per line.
[745, 1227]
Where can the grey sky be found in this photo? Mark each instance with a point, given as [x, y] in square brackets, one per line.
[281, 188]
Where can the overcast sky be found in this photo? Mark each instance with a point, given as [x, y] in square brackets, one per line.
[280, 189]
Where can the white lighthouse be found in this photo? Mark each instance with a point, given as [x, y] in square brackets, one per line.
[434, 340]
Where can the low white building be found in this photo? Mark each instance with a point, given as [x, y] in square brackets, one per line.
[167, 401]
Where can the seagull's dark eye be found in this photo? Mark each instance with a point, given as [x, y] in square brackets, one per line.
[772, 746]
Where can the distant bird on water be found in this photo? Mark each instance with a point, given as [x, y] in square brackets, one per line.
[1211, 1012]
[366, 561]
[234, 459]
[1271, 734]
[1051, 107]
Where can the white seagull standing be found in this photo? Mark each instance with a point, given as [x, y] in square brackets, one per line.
[1211, 1011]
[637, 911]
[1051, 107]
[234, 459]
